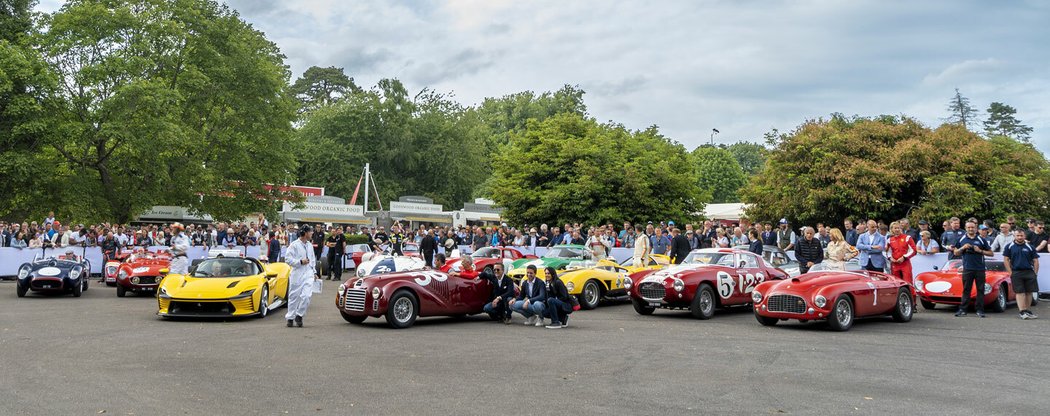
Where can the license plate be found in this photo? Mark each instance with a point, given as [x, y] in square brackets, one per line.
[47, 286]
[654, 303]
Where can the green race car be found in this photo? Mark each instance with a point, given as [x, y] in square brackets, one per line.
[559, 257]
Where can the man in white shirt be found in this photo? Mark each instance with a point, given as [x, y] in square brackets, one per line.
[300, 255]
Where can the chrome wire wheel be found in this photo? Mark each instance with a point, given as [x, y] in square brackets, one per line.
[904, 304]
[403, 309]
[844, 313]
[707, 303]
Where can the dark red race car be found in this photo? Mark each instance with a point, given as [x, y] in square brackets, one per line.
[404, 296]
[141, 272]
[839, 297]
[708, 278]
[485, 257]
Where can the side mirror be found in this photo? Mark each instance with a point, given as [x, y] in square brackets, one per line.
[164, 272]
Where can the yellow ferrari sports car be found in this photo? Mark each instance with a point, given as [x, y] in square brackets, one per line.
[225, 287]
[604, 279]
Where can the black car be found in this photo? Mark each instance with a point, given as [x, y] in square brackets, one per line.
[59, 275]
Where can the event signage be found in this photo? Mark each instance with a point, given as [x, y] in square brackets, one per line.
[414, 207]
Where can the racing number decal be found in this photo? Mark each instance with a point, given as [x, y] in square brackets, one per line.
[424, 278]
[725, 285]
[749, 281]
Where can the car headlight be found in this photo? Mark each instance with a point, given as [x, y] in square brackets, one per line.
[627, 282]
[122, 275]
[23, 273]
[376, 292]
[361, 273]
[919, 285]
[75, 273]
[110, 270]
[820, 301]
[756, 297]
[245, 294]
[570, 287]
[135, 280]
[163, 293]
[678, 285]
[987, 288]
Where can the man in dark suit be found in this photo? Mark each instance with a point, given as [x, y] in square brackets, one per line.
[532, 300]
[502, 288]
[680, 247]
[428, 246]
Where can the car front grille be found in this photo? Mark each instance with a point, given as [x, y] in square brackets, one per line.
[652, 291]
[147, 280]
[355, 299]
[786, 303]
[200, 308]
[46, 284]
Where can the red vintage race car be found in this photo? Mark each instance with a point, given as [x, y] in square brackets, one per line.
[356, 252]
[109, 270]
[944, 286]
[485, 257]
[141, 272]
[708, 278]
[404, 296]
[839, 297]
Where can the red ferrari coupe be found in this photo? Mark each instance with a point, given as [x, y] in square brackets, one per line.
[839, 297]
[404, 296]
[708, 278]
[944, 286]
[485, 257]
[141, 272]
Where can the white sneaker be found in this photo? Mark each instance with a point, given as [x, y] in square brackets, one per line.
[554, 326]
[565, 325]
[1032, 315]
[539, 322]
[529, 320]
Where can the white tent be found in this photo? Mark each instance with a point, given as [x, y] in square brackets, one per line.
[732, 211]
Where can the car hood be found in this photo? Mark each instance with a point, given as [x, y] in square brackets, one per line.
[178, 286]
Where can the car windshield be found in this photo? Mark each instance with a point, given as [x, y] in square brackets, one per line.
[486, 252]
[564, 253]
[957, 266]
[709, 258]
[225, 267]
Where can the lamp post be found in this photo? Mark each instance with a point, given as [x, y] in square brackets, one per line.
[712, 138]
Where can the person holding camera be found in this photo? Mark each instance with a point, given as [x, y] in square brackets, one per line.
[972, 249]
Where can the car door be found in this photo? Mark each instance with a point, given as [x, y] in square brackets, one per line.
[866, 292]
[749, 274]
[728, 279]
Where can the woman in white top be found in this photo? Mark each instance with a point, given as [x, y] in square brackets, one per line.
[839, 251]
[722, 240]
[927, 245]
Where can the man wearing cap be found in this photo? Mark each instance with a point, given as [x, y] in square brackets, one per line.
[785, 237]
[180, 244]
[300, 256]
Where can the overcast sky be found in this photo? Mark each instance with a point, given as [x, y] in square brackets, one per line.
[742, 67]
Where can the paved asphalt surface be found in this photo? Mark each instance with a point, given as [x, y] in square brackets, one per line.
[100, 354]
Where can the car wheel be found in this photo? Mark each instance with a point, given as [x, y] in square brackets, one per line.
[928, 305]
[402, 310]
[78, 289]
[641, 307]
[841, 318]
[703, 306]
[86, 282]
[354, 319]
[904, 309]
[765, 320]
[591, 295]
[264, 302]
[111, 284]
[1000, 301]
[121, 291]
[21, 290]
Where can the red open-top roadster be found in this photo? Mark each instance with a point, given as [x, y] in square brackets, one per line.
[836, 296]
[404, 296]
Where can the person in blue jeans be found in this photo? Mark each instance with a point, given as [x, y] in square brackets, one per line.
[533, 298]
[558, 305]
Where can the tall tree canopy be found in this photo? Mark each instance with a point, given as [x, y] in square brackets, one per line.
[750, 156]
[319, 87]
[718, 173]
[889, 167]
[571, 168]
[423, 145]
[161, 102]
[960, 111]
[1002, 121]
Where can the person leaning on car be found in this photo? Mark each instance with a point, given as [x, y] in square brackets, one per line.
[808, 251]
[1022, 263]
[973, 249]
[502, 290]
[532, 299]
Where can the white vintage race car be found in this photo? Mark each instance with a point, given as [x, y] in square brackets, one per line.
[387, 264]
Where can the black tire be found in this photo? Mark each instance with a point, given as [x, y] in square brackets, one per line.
[928, 305]
[264, 302]
[999, 305]
[86, 281]
[402, 310]
[354, 319]
[21, 290]
[904, 308]
[111, 284]
[765, 320]
[842, 314]
[591, 295]
[121, 291]
[703, 305]
[78, 289]
[641, 307]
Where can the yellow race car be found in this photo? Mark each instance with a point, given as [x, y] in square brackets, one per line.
[604, 279]
[225, 287]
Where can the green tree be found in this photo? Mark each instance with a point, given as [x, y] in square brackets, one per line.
[163, 102]
[750, 156]
[511, 113]
[424, 145]
[718, 173]
[960, 111]
[319, 87]
[889, 167]
[1003, 122]
[571, 168]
